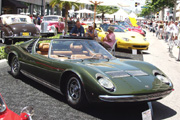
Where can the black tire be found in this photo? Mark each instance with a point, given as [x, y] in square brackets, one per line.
[75, 95]
[15, 67]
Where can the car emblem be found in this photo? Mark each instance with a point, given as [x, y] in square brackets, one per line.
[24, 29]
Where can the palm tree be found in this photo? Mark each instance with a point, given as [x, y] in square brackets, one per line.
[66, 5]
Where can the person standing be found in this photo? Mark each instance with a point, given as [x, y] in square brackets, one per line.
[167, 31]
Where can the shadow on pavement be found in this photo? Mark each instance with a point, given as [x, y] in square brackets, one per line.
[110, 111]
[162, 111]
[146, 53]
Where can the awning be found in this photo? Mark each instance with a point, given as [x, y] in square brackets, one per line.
[13, 3]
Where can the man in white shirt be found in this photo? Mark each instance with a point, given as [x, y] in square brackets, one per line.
[174, 32]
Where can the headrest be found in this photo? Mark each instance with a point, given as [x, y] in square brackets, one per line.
[44, 47]
[76, 48]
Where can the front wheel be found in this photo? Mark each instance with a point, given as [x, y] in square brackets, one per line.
[74, 93]
[15, 67]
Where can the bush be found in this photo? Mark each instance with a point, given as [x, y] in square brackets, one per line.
[3, 55]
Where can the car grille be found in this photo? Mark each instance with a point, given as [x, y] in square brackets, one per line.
[136, 73]
[44, 26]
[117, 74]
[128, 73]
[139, 46]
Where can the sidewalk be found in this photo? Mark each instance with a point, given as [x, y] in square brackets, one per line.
[158, 55]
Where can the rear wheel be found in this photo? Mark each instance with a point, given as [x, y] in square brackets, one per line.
[15, 67]
[74, 93]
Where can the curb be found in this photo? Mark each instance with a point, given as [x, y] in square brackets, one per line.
[3, 60]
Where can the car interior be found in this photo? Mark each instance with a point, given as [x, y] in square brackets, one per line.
[68, 51]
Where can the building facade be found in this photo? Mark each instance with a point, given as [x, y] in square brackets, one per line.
[28, 7]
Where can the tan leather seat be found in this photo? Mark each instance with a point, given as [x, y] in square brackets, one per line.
[44, 48]
[77, 52]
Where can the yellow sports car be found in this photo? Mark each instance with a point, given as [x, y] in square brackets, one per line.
[125, 40]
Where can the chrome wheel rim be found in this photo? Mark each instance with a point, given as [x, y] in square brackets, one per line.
[74, 90]
[15, 66]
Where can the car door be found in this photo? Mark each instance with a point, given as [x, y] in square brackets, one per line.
[42, 68]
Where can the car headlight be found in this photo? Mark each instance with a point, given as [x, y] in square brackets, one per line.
[2, 105]
[105, 82]
[163, 79]
[125, 39]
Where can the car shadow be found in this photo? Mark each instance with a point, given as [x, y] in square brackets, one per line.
[162, 111]
[145, 53]
[106, 111]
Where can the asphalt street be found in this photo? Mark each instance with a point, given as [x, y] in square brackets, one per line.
[49, 105]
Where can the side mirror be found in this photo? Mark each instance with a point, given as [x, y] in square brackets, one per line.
[27, 112]
[99, 29]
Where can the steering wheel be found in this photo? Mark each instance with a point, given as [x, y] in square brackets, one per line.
[98, 55]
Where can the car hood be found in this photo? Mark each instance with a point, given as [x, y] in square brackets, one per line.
[132, 36]
[23, 27]
[138, 81]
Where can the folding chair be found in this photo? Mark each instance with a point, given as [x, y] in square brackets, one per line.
[113, 49]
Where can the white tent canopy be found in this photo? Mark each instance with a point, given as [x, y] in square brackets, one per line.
[103, 2]
[120, 15]
[132, 15]
[84, 11]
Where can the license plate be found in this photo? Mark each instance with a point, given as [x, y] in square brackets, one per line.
[146, 115]
[25, 34]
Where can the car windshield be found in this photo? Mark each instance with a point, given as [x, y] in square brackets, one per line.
[17, 19]
[124, 24]
[50, 19]
[116, 28]
[78, 49]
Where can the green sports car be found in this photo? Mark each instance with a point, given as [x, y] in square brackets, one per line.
[84, 71]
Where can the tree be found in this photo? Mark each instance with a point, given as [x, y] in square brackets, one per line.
[67, 6]
[106, 9]
[156, 5]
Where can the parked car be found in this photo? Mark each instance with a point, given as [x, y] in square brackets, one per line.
[16, 28]
[83, 70]
[52, 24]
[125, 39]
[7, 114]
[134, 29]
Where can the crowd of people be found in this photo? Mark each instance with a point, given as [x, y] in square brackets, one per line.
[169, 31]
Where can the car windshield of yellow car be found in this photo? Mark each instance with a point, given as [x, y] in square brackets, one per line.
[117, 28]
[78, 49]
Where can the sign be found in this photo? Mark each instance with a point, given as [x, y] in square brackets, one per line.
[146, 115]
[144, 7]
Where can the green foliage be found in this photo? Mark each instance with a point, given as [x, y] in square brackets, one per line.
[18, 43]
[106, 10]
[67, 5]
[156, 5]
[57, 36]
[3, 55]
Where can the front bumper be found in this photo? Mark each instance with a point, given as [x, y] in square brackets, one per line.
[135, 98]
[20, 37]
